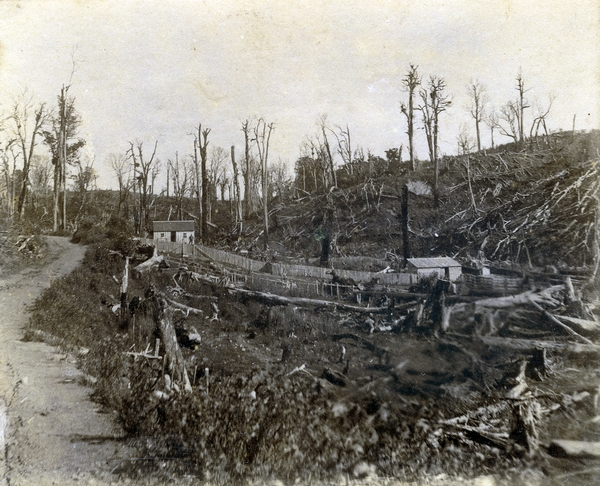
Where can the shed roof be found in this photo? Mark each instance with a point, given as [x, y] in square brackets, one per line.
[437, 262]
[173, 226]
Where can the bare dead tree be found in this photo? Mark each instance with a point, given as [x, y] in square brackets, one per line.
[202, 146]
[27, 124]
[84, 181]
[262, 137]
[327, 150]
[41, 172]
[141, 169]
[464, 140]
[478, 100]
[122, 172]
[154, 173]
[9, 175]
[435, 102]
[522, 104]
[508, 121]
[239, 218]
[179, 176]
[246, 171]
[217, 171]
[344, 142]
[410, 83]
[539, 120]
[491, 120]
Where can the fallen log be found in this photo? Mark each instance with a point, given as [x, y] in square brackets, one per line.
[556, 321]
[542, 297]
[574, 448]
[274, 299]
[583, 326]
[150, 264]
[531, 344]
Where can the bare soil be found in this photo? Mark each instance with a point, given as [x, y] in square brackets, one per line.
[50, 431]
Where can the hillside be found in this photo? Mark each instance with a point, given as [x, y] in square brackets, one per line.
[534, 207]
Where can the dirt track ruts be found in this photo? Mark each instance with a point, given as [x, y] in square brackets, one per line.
[50, 431]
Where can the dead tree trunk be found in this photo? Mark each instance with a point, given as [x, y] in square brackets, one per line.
[405, 242]
[239, 217]
[124, 284]
[173, 357]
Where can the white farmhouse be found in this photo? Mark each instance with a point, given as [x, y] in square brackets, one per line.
[175, 231]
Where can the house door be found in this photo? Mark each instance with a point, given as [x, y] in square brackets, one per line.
[173, 236]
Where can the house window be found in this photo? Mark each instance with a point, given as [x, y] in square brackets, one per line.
[185, 235]
[162, 235]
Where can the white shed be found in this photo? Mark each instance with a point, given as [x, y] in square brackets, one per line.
[444, 267]
[176, 231]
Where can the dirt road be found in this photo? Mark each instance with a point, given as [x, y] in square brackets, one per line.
[50, 431]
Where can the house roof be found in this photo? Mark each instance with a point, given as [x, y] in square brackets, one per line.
[437, 262]
[173, 226]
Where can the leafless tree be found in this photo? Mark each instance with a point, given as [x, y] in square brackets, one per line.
[179, 176]
[8, 153]
[154, 173]
[508, 121]
[41, 172]
[410, 83]
[27, 124]
[200, 159]
[237, 193]
[344, 147]
[492, 120]
[262, 137]
[465, 141]
[435, 102]
[217, 171]
[539, 121]
[478, 99]
[279, 179]
[84, 181]
[122, 171]
[247, 170]
[522, 104]
[141, 169]
[327, 150]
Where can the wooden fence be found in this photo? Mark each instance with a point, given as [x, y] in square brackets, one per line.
[281, 269]
[490, 284]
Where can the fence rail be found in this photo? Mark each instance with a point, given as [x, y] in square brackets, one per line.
[282, 269]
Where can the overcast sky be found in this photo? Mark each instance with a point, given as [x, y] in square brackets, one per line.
[152, 70]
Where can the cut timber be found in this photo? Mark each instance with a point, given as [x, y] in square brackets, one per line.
[150, 264]
[556, 321]
[583, 326]
[531, 344]
[274, 299]
[543, 297]
[574, 448]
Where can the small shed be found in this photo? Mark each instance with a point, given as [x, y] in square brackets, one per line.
[444, 267]
[175, 231]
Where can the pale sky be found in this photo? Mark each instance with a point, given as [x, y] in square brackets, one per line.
[152, 70]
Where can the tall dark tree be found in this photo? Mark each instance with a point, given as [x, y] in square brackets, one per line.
[202, 190]
[61, 138]
[410, 83]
